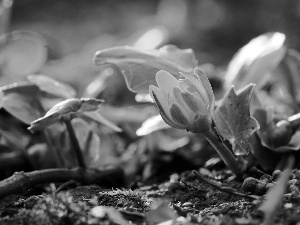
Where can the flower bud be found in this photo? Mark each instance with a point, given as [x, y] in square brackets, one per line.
[184, 104]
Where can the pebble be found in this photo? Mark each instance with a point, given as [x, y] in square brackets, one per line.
[187, 204]
[288, 205]
[276, 174]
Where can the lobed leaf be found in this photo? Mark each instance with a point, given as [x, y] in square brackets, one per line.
[140, 67]
[233, 120]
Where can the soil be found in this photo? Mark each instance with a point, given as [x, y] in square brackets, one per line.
[190, 197]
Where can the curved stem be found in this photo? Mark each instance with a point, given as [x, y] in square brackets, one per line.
[225, 154]
[74, 142]
[22, 181]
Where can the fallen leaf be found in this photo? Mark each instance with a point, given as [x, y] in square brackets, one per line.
[140, 67]
[233, 120]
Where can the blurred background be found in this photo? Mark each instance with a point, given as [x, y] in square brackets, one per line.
[214, 29]
[59, 38]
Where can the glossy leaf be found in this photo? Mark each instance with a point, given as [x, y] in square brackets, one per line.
[233, 120]
[255, 60]
[139, 67]
[65, 108]
[51, 86]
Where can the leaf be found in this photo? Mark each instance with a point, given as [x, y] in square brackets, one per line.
[140, 67]
[152, 124]
[233, 120]
[96, 116]
[89, 141]
[52, 86]
[113, 215]
[275, 195]
[161, 213]
[281, 138]
[65, 108]
[255, 60]
[22, 53]
[21, 101]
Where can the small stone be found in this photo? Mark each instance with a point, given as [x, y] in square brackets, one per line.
[187, 204]
[205, 172]
[249, 184]
[269, 186]
[288, 205]
[276, 174]
[266, 177]
[260, 188]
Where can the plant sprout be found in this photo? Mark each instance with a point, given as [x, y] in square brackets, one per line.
[188, 104]
[63, 110]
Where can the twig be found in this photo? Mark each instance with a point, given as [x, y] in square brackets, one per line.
[74, 142]
[21, 181]
[225, 189]
[65, 185]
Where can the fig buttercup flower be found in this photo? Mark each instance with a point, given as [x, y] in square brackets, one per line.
[186, 103]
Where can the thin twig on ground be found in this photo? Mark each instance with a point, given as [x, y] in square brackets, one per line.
[21, 181]
[226, 189]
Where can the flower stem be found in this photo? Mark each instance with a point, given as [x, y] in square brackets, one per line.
[54, 151]
[225, 154]
[74, 142]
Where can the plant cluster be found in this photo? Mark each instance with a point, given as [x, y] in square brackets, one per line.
[251, 119]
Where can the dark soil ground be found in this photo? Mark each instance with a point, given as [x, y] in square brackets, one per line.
[185, 193]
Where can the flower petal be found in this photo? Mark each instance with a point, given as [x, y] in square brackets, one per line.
[206, 84]
[194, 103]
[178, 116]
[177, 98]
[188, 86]
[165, 81]
[161, 102]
